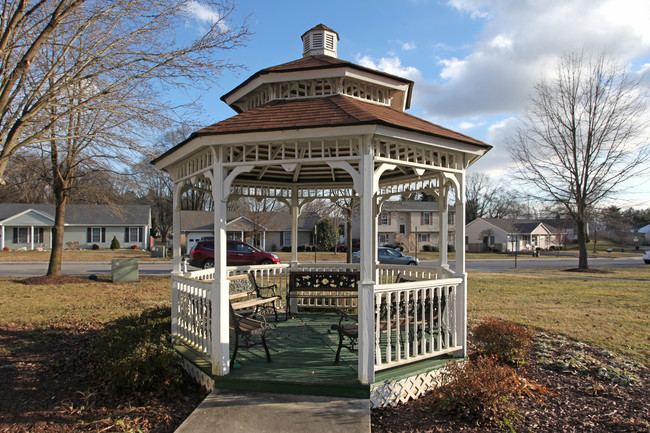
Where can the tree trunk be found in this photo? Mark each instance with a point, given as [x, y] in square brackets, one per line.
[581, 225]
[348, 239]
[54, 267]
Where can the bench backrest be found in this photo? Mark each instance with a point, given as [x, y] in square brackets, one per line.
[343, 281]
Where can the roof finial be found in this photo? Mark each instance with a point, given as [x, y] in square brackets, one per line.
[320, 40]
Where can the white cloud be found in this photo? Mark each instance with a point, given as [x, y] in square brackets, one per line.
[476, 8]
[408, 46]
[521, 41]
[392, 65]
[202, 13]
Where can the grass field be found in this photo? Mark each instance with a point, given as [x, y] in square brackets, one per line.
[611, 314]
[76, 255]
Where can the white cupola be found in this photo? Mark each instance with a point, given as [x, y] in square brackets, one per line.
[320, 40]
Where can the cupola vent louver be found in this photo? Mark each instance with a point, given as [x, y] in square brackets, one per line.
[320, 40]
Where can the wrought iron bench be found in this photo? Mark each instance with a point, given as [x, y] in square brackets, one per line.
[246, 328]
[321, 285]
[248, 299]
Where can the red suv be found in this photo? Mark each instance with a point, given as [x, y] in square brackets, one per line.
[239, 253]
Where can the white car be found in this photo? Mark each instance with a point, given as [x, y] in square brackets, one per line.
[646, 257]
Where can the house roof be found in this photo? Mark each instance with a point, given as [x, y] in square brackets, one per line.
[84, 214]
[513, 225]
[329, 111]
[200, 221]
[406, 206]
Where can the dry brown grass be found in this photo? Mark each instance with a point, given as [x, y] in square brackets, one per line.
[611, 314]
[77, 255]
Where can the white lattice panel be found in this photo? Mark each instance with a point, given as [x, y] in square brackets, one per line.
[392, 393]
[197, 374]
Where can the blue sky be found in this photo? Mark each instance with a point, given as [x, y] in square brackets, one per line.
[473, 62]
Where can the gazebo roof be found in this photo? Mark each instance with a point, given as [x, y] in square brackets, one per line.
[324, 112]
[314, 63]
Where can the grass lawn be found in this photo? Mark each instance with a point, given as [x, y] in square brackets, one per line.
[611, 314]
[628, 273]
[89, 301]
[77, 255]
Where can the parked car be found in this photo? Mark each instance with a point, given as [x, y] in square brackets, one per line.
[238, 253]
[646, 257]
[387, 255]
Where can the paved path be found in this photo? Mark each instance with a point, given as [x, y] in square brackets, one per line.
[245, 412]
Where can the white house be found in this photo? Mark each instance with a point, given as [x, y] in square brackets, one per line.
[506, 235]
[28, 226]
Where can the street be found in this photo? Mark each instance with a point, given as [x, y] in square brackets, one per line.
[29, 269]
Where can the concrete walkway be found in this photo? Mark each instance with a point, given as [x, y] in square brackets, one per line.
[258, 412]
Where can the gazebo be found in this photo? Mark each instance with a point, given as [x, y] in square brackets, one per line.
[321, 128]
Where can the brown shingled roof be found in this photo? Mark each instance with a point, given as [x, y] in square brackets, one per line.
[328, 111]
[321, 27]
[319, 61]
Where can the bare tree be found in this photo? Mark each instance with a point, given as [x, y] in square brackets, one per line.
[487, 199]
[580, 137]
[134, 48]
[25, 179]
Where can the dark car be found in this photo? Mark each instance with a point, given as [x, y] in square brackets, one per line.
[387, 255]
[239, 253]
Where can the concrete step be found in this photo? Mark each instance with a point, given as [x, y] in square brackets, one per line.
[257, 412]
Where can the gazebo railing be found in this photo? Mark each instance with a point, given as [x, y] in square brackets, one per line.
[414, 321]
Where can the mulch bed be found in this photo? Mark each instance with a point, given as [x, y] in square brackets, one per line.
[49, 385]
[573, 388]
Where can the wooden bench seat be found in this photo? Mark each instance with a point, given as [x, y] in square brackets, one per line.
[321, 285]
[246, 328]
[254, 298]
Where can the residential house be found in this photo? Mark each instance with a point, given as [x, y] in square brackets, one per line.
[410, 224]
[28, 226]
[268, 230]
[644, 235]
[507, 235]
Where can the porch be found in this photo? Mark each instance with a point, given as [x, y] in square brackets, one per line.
[410, 344]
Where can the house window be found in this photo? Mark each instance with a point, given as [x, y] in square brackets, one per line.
[402, 228]
[132, 234]
[384, 218]
[425, 218]
[96, 234]
[424, 237]
[21, 235]
[286, 238]
[38, 235]
[384, 238]
[450, 218]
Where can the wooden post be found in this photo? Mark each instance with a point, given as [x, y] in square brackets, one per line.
[366, 363]
[461, 293]
[220, 344]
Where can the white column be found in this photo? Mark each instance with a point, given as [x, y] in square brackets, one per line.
[443, 208]
[295, 213]
[176, 229]
[366, 363]
[220, 344]
[461, 294]
[31, 237]
[2, 237]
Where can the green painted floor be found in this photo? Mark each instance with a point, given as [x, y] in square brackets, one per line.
[302, 355]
